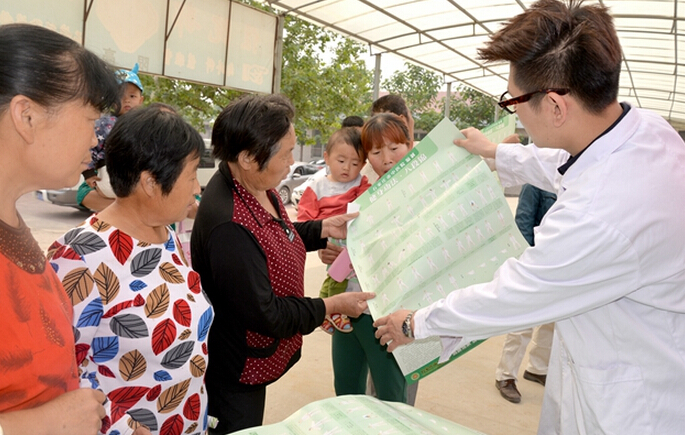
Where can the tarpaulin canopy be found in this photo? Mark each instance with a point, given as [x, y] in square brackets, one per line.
[443, 35]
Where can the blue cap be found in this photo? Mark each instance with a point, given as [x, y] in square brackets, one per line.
[124, 76]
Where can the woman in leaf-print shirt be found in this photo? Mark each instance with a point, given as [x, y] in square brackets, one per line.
[140, 315]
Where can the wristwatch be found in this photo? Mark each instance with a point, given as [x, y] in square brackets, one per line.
[406, 326]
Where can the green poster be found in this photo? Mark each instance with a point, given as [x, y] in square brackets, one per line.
[437, 222]
[360, 415]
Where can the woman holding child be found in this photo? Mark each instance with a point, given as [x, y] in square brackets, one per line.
[250, 257]
[385, 140]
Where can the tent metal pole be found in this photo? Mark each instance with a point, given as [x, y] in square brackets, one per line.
[448, 100]
[377, 77]
[278, 54]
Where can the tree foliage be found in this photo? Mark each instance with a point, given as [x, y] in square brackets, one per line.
[418, 86]
[326, 78]
[468, 108]
[471, 108]
[197, 103]
[425, 121]
[323, 90]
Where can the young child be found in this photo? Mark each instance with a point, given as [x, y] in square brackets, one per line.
[329, 196]
[131, 97]
[385, 138]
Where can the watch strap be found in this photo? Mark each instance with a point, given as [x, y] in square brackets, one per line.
[406, 326]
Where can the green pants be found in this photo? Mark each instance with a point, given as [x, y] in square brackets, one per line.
[357, 352]
[331, 287]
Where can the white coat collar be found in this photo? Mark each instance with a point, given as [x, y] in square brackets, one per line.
[604, 146]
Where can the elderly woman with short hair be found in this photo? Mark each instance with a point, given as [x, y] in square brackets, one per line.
[140, 314]
[251, 258]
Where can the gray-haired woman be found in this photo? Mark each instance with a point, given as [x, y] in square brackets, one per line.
[250, 258]
[139, 310]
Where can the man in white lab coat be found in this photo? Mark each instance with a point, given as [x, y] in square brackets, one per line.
[609, 261]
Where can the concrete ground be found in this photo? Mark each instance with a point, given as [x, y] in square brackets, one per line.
[463, 391]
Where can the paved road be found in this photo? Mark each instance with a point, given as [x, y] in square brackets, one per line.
[48, 221]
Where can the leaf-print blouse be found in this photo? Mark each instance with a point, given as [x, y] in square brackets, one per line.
[141, 321]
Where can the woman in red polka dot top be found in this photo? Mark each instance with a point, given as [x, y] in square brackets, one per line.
[250, 258]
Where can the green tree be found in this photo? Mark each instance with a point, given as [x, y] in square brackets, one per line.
[418, 86]
[472, 108]
[197, 103]
[468, 108]
[323, 91]
[425, 121]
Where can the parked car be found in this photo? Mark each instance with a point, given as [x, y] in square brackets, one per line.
[299, 173]
[208, 165]
[319, 163]
[299, 190]
[67, 197]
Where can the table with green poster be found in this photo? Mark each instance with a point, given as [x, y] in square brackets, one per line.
[360, 415]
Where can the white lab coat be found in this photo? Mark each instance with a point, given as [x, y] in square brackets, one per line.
[608, 267]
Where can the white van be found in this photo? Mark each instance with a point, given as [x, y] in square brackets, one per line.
[208, 165]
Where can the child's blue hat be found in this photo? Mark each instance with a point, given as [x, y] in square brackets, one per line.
[124, 76]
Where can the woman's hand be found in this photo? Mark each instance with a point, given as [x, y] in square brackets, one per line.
[92, 181]
[389, 329]
[78, 412]
[336, 226]
[351, 304]
[329, 254]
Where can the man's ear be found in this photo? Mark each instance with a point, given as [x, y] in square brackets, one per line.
[23, 112]
[559, 108]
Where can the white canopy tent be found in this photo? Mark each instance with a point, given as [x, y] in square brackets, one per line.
[224, 43]
[217, 42]
[443, 35]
